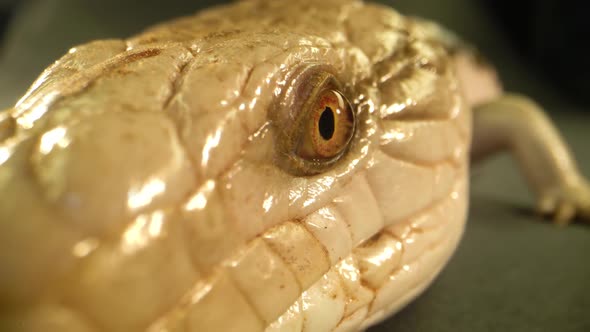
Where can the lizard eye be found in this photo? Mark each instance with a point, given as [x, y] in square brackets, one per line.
[314, 122]
[329, 127]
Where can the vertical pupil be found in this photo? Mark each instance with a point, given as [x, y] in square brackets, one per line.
[326, 124]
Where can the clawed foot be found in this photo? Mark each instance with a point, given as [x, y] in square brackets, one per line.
[566, 202]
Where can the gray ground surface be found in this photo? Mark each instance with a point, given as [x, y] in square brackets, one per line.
[512, 271]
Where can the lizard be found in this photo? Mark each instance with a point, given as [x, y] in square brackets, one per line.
[259, 166]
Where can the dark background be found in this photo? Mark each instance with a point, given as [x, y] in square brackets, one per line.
[512, 271]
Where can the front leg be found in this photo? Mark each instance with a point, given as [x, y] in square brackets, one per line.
[516, 124]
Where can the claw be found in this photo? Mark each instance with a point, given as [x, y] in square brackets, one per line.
[546, 204]
[566, 203]
[564, 214]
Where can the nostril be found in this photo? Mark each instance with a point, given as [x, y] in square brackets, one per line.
[7, 125]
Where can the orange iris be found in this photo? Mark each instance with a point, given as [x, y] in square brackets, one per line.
[330, 127]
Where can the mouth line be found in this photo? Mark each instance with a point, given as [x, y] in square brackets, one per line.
[392, 267]
[283, 271]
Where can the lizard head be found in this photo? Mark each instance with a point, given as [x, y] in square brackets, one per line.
[224, 165]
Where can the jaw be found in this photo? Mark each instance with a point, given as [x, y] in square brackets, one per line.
[383, 251]
[343, 266]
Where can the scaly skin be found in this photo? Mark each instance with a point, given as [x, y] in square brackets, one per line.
[147, 192]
